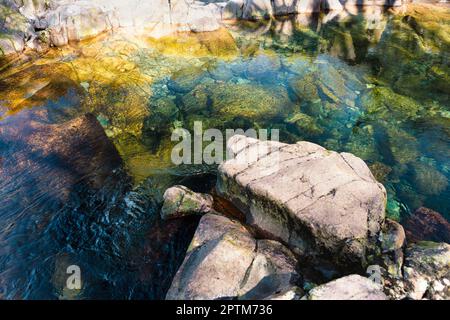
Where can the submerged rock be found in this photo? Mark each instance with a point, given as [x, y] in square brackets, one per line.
[305, 124]
[225, 261]
[180, 201]
[220, 104]
[324, 205]
[427, 225]
[245, 100]
[428, 180]
[353, 287]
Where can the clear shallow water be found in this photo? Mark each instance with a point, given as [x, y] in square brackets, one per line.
[373, 84]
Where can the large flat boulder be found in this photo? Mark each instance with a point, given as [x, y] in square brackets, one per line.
[225, 261]
[323, 204]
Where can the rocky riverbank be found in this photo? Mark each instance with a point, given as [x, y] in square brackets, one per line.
[37, 24]
[310, 217]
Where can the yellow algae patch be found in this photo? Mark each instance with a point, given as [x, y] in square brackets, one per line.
[140, 160]
[108, 62]
[218, 43]
[431, 21]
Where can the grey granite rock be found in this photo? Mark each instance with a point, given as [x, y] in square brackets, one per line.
[323, 204]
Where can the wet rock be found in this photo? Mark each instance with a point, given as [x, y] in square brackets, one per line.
[422, 29]
[353, 287]
[393, 236]
[328, 81]
[403, 146]
[230, 105]
[163, 112]
[186, 79]
[225, 261]
[323, 204]
[362, 144]
[427, 225]
[426, 265]
[250, 101]
[180, 201]
[304, 87]
[380, 171]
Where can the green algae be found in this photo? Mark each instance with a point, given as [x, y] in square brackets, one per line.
[305, 124]
[393, 211]
[384, 102]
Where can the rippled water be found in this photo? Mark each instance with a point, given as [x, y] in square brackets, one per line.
[370, 83]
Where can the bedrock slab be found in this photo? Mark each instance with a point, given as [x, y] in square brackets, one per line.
[324, 205]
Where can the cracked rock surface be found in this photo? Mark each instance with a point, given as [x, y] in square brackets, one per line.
[427, 270]
[225, 261]
[324, 205]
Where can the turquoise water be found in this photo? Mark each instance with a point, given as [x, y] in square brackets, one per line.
[373, 85]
